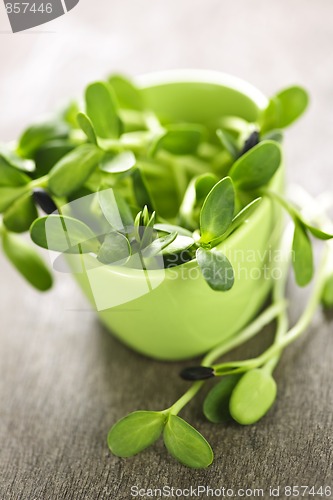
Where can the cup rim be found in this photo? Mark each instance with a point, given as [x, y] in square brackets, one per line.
[159, 78]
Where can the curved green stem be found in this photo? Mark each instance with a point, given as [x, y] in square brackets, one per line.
[41, 182]
[282, 328]
[186, 398]
[292, 211]
[278, 295]
[293, 334]
[311, 307]
[250, 331]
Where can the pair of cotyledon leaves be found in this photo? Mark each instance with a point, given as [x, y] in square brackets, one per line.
[246, 398]
[217, 217]
[139, 430]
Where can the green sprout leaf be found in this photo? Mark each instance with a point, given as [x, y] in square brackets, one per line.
[27, 261]
[128, 96]
[123, 162]
[239, 219]
[179, 251]
[327, 296]
[245, 213]
[141, 191]
[216, 404]
[10, 176]
[158, 245]
[269, 117]
[285, 108]
[186, 444]
[36, 135]
[87, 127]
[49, 154]
[317, 233]
[144, 227]
[102, 110]
[293, 101]
[135, 432]
[71, 172]
[9, 195]
[302, 255]
[63, 234]
[10, 158]
[252, 397]
[217, 211]
[256, 168]
[179, 140]
[203, 184]
[20, 215]
[216, 269]
[195, 195]
[115, 210]
[228, 142]
[116, 249]
[180, 244]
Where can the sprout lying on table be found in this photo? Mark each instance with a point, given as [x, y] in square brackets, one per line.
[173, 190]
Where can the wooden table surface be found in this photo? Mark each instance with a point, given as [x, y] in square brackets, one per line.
[63, 378]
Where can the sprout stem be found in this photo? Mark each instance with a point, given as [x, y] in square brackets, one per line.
[250, 331]
[278, 295]
[294, 333]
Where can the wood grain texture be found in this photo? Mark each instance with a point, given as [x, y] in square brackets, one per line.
[63, 379]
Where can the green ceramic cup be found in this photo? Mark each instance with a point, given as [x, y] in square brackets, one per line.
[172, 314]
